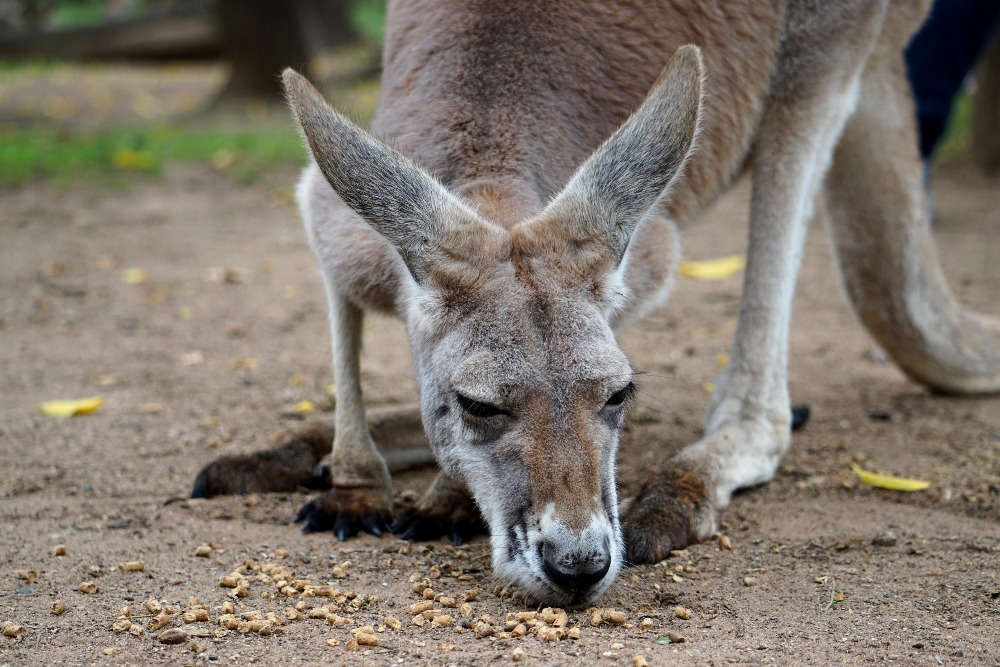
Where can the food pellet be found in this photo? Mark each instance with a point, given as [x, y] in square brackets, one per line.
[10, 629]
[87, 587]
[420, 607]
[442, 620]
[640, 661]
[517, 655]
[263, 628]
[196, 615]
[203, 551]
[132, 566]
[393, 622]
[682, 613]
[365, 639]
[58, 607]
[59, 550]
[749, 582]
[573, 633]
[615, 616]
[158, 621]
[465, 610]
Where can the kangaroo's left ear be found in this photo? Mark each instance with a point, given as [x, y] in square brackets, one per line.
[612, 191]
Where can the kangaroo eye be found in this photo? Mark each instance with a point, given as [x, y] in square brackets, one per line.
[477, 408]
[622, 395]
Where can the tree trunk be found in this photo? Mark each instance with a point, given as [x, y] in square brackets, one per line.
[986, 111]
[262, 37]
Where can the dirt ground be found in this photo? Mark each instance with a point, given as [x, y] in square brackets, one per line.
[212, 352]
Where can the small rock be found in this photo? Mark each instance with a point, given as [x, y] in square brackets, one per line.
[173, 636]
[675, 637]
[886, 539]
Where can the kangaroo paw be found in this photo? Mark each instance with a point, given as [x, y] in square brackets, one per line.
[288, 466]
[670, 511]
[346, 511]
[446, 509]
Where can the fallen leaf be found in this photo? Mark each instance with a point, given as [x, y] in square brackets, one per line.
[305, 406]
[887, 482]
[134, 276]
[69, 408]
[713, 269]
[126, 158]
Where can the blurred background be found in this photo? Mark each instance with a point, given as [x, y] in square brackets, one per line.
[109, 90]
[99, 88]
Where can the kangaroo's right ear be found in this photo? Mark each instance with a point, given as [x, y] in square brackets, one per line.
[608, 196]
[422, 220]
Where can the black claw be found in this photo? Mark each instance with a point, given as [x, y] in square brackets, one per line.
[800, 415]
[397, 526]
[373, 524]
[409, 534]
[316, 522]
[200, 489]
[320, 478]
[460, 533]
[344, 528]
[304, 512]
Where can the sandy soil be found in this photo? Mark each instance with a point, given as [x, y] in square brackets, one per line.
[210, 354]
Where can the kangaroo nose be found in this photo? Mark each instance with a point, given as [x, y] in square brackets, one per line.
[576, 574]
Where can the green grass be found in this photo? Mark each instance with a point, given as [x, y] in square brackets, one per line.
[368, 18]
[954, 143]
[44, 153]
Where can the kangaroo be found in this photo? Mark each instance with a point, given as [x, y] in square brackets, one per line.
[517, 201]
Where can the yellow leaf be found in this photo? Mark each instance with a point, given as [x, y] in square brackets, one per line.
[305, 406]
[887, 482]
[134, 276]
[713, 269]
[126, 158]
[68, 408]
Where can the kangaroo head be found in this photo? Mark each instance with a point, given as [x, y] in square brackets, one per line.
[524, 388]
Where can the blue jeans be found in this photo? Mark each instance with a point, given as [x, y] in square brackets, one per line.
[941, 56]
